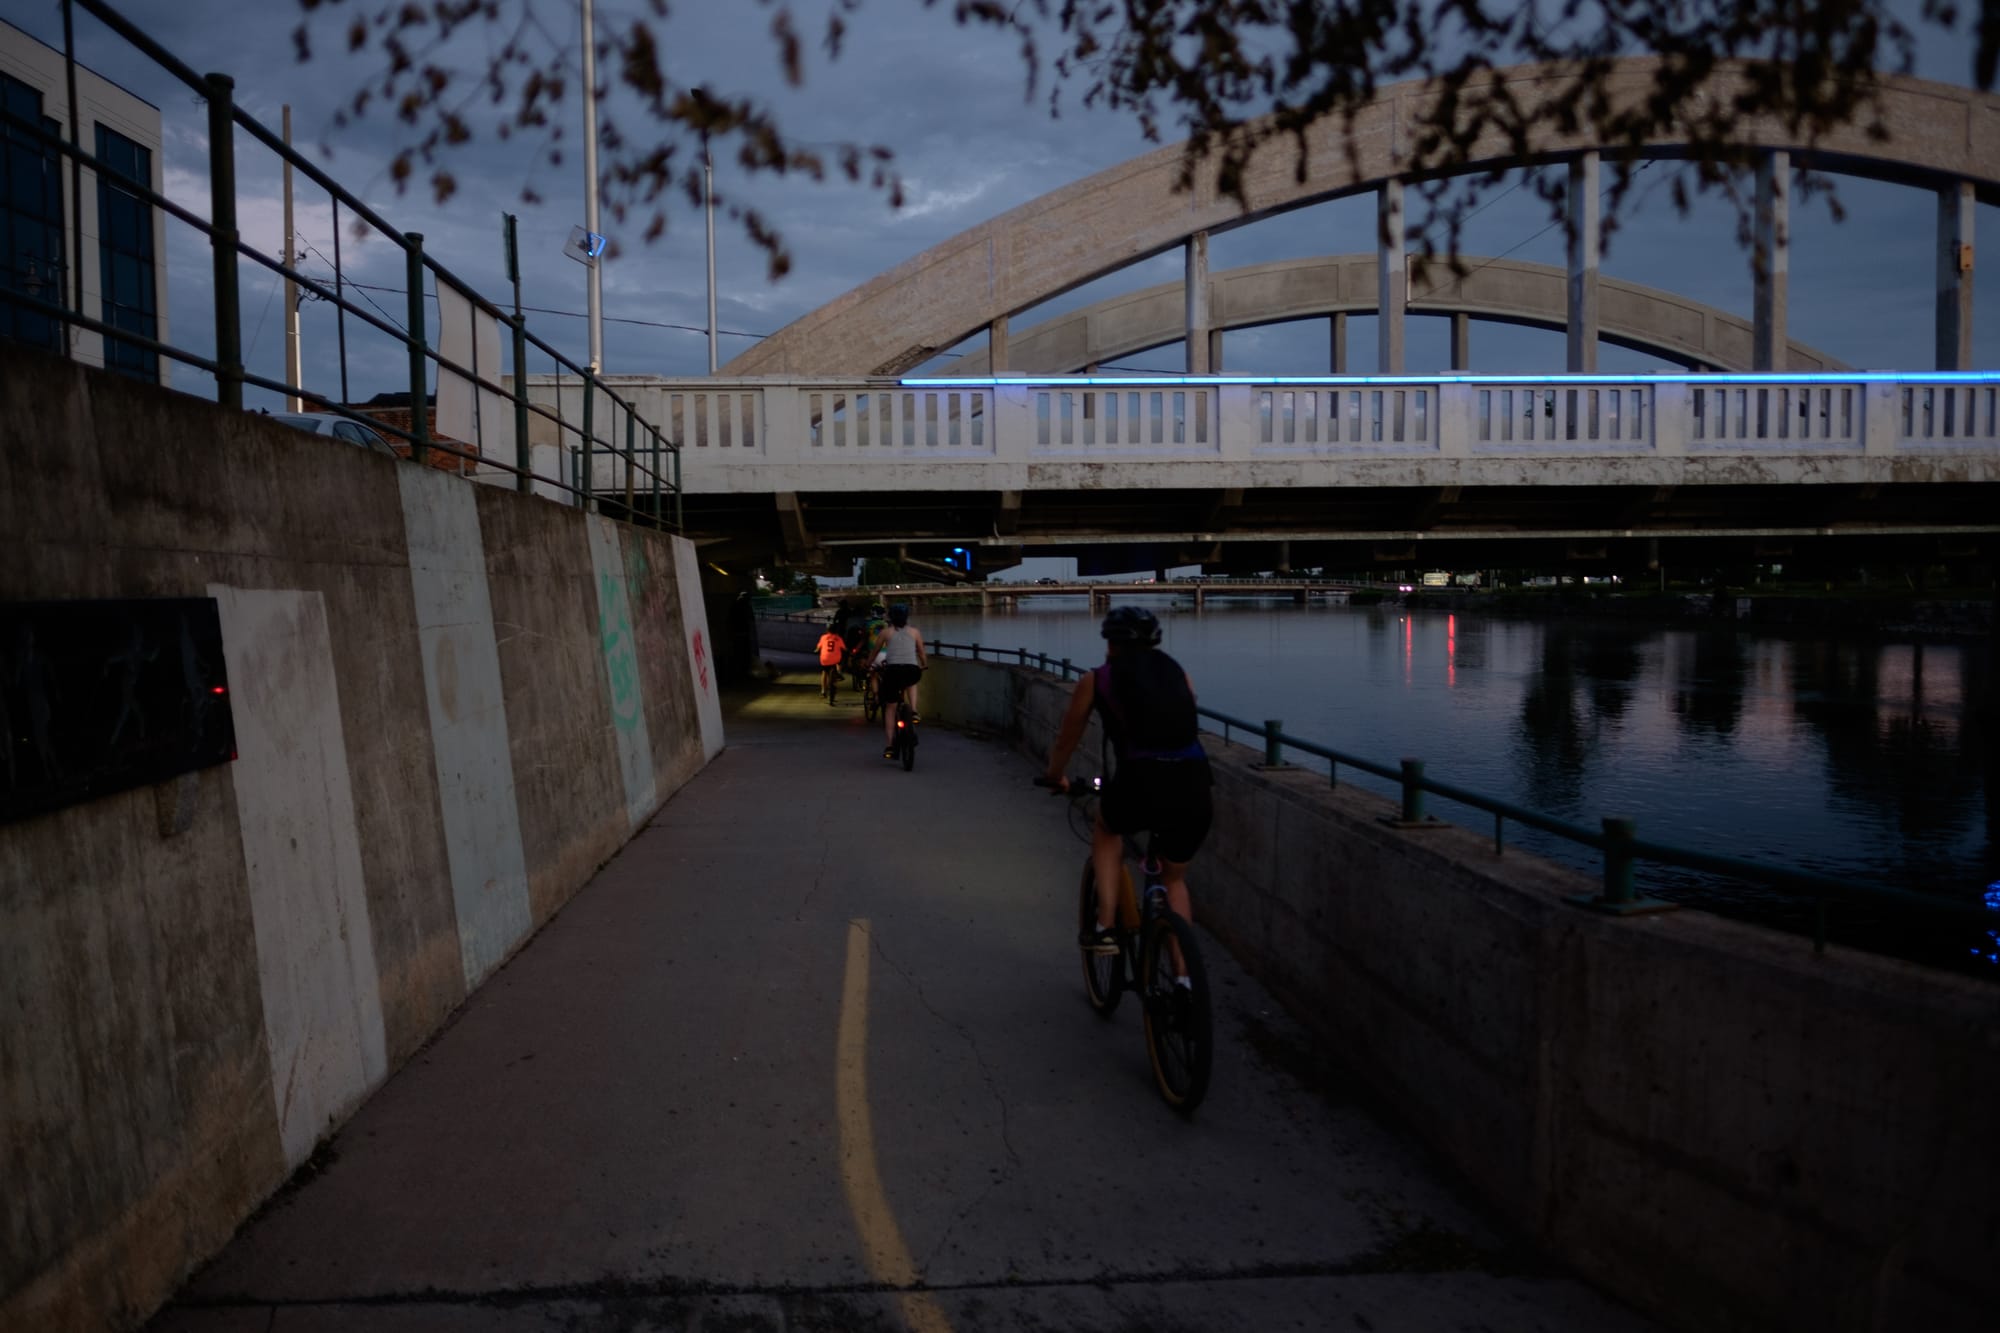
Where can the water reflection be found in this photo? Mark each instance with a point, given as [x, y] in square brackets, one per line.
[1868, 759]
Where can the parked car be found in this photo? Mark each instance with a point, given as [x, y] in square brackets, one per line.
[340, 428]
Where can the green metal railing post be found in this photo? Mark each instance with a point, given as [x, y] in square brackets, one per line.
[589, 477]
[654, 431]
[1619, 833]
[223, 239]
[679, 526]
[1068, 670]
[524, 454]
[420, 416]
[1274, 744]
[631, 440]
[1413, 791]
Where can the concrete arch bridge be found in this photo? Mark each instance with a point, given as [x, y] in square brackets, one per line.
[817, 444]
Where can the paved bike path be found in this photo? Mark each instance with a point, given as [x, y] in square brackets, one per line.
[812, 1053]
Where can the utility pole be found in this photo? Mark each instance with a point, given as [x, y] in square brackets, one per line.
[294, 373]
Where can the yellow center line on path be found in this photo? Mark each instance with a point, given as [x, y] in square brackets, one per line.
[882, 1248]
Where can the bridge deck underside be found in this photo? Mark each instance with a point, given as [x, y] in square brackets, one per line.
[1480, 524]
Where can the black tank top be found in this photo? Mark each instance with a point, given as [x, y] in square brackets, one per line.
[1147, 707]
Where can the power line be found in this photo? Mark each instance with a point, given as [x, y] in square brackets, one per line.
[566, 314]
[364, 291]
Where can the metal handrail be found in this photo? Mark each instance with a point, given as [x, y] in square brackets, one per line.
[230, 375]
[1616, 839]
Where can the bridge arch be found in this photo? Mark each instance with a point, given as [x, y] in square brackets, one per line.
[1939, 136]
[1506, 291]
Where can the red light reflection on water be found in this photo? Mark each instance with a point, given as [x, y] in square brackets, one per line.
[1451, 650]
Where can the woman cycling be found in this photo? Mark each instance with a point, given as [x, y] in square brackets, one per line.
[901, 659]
[1162, 779]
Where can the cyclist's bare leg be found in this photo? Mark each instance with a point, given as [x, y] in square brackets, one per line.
[889, 723]
[1173, 874]
[1107, 858]
[911, 695]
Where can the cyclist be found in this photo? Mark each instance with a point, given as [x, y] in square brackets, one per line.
[1161, 781]
[831, 649]
[901, 659]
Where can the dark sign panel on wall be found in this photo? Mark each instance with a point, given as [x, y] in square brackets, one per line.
[96, 697]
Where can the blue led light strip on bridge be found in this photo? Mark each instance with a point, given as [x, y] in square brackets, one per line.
[1916, 378]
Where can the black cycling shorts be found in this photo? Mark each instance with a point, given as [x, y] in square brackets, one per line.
[895, 678]
[1167, 796]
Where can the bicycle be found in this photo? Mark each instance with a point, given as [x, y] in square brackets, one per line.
[1179, 1025]
[871, 696]
[829, 684]
[905, 745]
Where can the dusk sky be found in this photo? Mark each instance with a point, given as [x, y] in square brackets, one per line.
[951, 102]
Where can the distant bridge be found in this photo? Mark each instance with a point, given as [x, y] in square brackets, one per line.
[1299, 590]
[1137, 472]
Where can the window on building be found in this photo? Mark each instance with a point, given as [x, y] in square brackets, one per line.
[31, 217]
[125, 254]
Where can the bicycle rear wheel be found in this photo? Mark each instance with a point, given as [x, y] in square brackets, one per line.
[907, 733]
[871, 703]
[1103, 973]
[1179, 1025]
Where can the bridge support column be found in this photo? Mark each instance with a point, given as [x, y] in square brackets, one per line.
[1771, 261]
[996, 346]
[1461, 340]
[1200, 598]
[1337, 346]
[1954, 276]
[1584, 248]
[1391, 281]
[1197, 327]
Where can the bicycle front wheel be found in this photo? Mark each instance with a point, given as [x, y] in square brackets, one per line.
[1179, 1025]
[1103, 973]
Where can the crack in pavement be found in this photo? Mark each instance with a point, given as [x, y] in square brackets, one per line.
[819, 872]
[986, 1076]
[1370, 1263]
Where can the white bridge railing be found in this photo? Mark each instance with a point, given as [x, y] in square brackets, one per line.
[948, 434]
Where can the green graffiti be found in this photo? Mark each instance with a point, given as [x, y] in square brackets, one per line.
[621, 660]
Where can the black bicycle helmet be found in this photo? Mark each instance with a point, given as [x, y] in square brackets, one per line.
[899, 615]
[1133, 625]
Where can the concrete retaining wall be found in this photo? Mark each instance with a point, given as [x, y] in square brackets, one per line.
[1702, 1116]
[452, 704]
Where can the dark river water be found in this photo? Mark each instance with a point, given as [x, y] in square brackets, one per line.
[1873, 759]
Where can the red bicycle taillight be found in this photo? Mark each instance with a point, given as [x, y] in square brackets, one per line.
[900, 724]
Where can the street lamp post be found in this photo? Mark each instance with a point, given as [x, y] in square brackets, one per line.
[595, 303]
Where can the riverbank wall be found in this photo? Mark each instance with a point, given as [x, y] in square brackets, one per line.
[1706, 1118]
[451, 703]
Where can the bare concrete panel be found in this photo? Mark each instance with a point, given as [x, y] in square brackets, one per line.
[468, 715]
[660, 619]
[302, 858]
